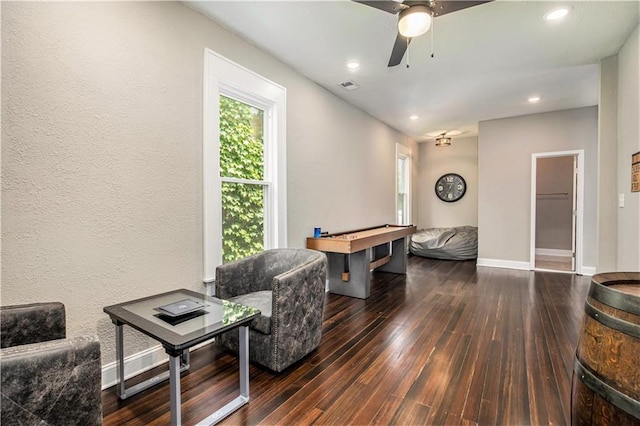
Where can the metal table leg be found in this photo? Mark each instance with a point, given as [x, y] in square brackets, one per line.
[178, 364]
[244, 362]
[243, 398]
[124, 392]
[120, 389]
[174, 390]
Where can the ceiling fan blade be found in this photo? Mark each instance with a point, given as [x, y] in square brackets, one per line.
[387, 5]
[442, 7]
[399, 48]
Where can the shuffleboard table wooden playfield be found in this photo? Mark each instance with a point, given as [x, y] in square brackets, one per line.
[353, 255]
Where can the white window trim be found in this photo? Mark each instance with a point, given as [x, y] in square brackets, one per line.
[222, 76]
[404, 152]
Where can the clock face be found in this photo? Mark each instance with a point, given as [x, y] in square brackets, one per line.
[450, 187]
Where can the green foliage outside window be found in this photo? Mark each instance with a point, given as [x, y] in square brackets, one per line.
[242, 157]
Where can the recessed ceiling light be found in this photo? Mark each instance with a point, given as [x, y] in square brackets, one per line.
[353, 65]
[534, 99]
[555, 14]
[413, 117]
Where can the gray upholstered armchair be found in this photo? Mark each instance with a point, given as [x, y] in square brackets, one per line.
[46, 378]
[288, 286]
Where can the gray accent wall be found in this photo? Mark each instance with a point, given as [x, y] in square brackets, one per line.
[628, 108]
[611, 232]
[619, 137]
[505, 147]
[607, 230]
[461, 158]
[102, 155]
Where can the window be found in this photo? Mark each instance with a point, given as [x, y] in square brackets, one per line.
[403, 185]
[243, 187]
[244, 172]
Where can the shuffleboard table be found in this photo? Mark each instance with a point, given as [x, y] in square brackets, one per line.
[353, 255]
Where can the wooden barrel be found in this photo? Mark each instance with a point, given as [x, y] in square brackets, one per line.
[606, 374]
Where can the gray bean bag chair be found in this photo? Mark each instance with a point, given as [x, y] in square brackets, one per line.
[458, 243]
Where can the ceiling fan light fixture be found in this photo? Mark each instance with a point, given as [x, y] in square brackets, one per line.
[414, 21]
[442, 140]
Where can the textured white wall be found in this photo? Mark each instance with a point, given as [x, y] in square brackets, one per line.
[505, 147]
[102, 155]
[461, 158]
[628, 248]
[341, 176]
[101, 123]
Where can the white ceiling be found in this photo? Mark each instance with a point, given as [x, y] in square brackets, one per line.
[489, 59]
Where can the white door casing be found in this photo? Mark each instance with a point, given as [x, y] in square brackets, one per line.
[578, 216]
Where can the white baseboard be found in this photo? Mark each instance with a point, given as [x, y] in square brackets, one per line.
[525, 266]
[507, 264]
[553, 252]
[588, 270]
[139, 363]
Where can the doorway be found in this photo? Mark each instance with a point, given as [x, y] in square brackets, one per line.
[556, 211]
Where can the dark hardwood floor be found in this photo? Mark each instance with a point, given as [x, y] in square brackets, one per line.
[449, 343]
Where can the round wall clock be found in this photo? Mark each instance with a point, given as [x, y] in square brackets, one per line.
[450, 187]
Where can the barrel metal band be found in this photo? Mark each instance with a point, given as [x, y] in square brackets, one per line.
[618, 324]
[608, 393]
[615, 298]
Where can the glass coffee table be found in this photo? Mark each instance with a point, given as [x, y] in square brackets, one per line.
[181, 319]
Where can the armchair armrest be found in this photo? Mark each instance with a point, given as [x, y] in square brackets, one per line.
[301, 290]
[32, 323]
[298, 304]
[55, 382]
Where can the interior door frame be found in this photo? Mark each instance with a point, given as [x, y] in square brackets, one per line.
[579, 213]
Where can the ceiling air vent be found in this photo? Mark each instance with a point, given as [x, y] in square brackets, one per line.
[349, 85]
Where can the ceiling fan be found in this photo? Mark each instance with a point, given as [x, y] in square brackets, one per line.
[414, 18]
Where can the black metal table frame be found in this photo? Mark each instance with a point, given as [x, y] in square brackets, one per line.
[179, 362]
